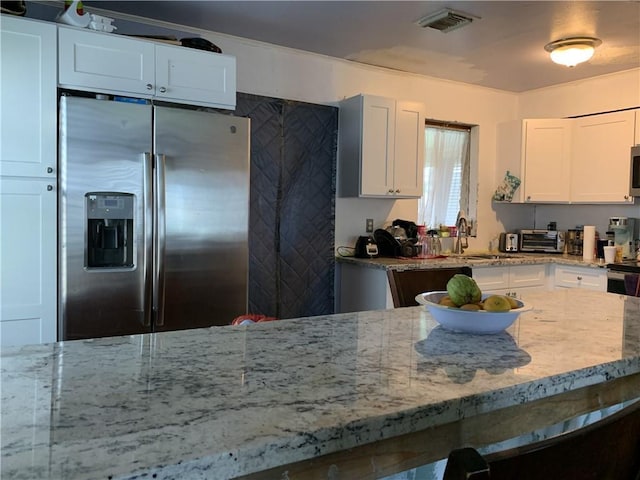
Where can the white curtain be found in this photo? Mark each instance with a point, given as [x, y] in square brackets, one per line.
[446, 176]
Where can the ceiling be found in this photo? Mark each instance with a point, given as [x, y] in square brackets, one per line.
[503, 48]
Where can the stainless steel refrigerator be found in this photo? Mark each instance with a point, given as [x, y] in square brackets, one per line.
[153, 218]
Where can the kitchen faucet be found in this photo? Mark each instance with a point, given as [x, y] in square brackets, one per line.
[461, 232]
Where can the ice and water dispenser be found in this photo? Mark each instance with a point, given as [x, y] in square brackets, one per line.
[109, 230]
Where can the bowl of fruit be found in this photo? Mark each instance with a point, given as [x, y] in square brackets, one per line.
[464, 308]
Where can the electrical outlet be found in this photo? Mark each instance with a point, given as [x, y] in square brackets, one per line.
[369, 225]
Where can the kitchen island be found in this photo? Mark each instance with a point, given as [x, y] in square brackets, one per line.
[357, 395]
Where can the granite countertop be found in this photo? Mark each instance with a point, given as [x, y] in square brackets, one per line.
[228, 401]
[470, 259]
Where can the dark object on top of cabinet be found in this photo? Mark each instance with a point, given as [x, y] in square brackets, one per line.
[405, 285]
[14, 8]
[200, 44]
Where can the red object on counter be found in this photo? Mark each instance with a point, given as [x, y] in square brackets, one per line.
[255, 318]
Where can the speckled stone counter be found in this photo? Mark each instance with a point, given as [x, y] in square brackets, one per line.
[468, 260]
[228, 401]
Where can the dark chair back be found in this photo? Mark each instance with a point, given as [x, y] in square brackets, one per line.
[608, 449]
[405, 285]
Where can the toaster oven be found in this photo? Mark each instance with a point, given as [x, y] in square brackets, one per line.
[543, 241]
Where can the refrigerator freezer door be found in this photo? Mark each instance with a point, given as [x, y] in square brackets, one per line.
[102, 207]
[206, 193]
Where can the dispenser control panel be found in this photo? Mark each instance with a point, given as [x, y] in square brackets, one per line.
[109, 240]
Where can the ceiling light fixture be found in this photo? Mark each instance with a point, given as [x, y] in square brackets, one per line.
[572, 51]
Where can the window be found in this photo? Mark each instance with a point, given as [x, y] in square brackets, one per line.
[448, 175]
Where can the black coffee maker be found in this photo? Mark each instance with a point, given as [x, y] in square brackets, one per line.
[366, 247]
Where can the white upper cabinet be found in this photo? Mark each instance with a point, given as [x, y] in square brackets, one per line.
[28, 108]
[578, 160]
[409, 149]
[195, 76]
[109, 63]
[600, 158]
[381, 147]
[547, 160]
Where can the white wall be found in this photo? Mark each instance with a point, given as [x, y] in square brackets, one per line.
[600, 94]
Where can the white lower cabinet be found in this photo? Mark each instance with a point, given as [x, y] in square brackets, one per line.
[362, 289]
[511, 280]
[580, 277]
[28, 253]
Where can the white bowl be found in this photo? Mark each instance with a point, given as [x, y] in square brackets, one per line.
[469, 321]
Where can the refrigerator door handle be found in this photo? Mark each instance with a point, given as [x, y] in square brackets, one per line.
[160, 240]
[148, 237]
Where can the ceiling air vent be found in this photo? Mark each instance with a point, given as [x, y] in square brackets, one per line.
[446, 20]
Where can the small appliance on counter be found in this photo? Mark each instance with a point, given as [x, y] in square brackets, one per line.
[366, 247]
[508, 242]
[389, 246]
[574, 242]
[624, 234]
[541, 241]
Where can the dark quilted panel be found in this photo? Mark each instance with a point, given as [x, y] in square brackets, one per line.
[307, 220]
[293, 163]
[266, 127]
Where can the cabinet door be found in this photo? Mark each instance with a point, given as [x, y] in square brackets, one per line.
[101, 62]
[378, 146]
[600, 159]
[547, 160]
[528, 276]
[28, 256]
[28, 105]
[195, 76]
[409, 149]
[492, 279]
[637, 135]
[576, 277]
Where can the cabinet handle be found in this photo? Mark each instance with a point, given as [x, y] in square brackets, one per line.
[149, 86]
[579, 278]
[398, 191]
[626, 197]
[529, 198]
[49, 169]
[390, 190]
[49, 188]
[163, 90]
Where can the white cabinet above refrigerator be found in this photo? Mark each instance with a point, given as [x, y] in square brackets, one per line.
[115, 64]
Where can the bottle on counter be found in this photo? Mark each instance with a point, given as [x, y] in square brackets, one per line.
[422, 241]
